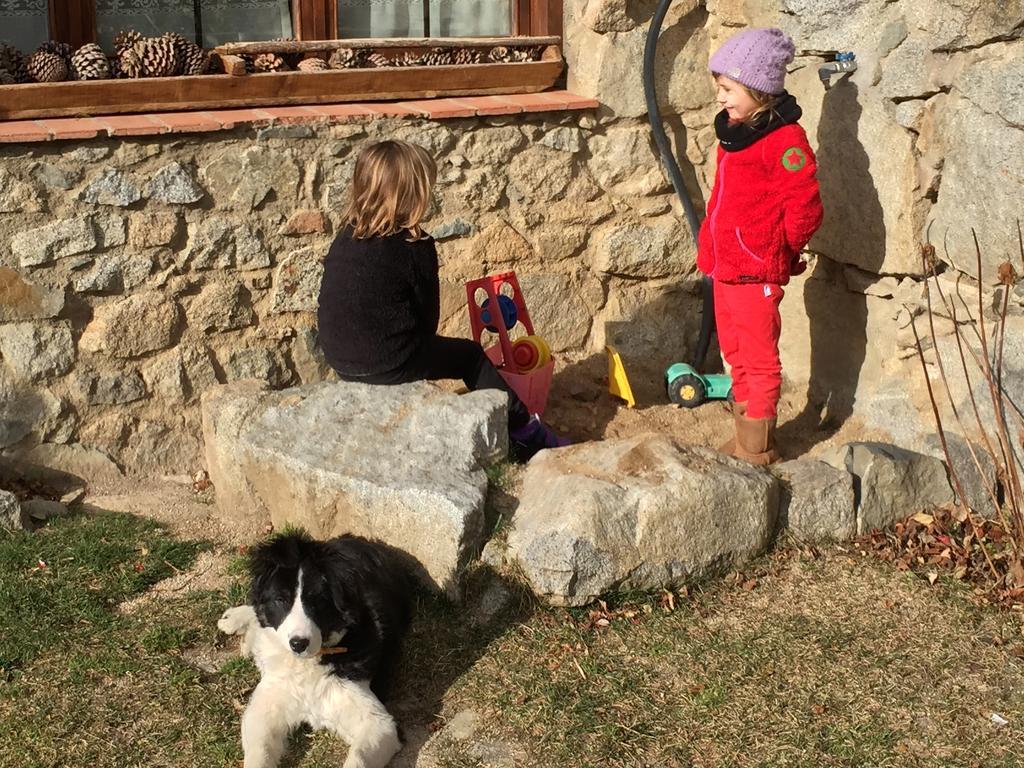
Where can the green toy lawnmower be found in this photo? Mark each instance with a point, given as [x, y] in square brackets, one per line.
[689, 389]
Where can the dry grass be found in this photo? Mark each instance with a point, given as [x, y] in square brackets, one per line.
[827, 661]
[838, 662]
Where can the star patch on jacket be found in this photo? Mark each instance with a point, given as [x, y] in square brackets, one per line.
[793, 159]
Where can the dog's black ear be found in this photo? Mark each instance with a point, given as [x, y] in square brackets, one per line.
[347, 600]
[262, 565]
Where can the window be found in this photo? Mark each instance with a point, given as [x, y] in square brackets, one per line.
[28, 23]
[208, 22]
[415, 18]
[247, 28]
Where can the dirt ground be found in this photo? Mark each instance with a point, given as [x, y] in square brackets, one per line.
[580, 407]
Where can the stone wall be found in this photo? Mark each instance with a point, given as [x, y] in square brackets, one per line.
[136, 273]
[924, 142]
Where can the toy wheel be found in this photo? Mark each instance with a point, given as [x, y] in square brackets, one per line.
[687, 390]
[509, 313]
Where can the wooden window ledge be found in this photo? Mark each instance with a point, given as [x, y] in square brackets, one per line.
[56, 129]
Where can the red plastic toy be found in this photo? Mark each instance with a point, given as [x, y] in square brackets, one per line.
[530, 381]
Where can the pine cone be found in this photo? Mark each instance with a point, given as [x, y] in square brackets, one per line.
[195, 60]
[347, 58]
[44, 67]
[500, 55]
[313, 64]
[90, 63]
[158, 55]
[407, 60]
[269, 62]
[531, 53]
[378, 60]
[182, 47]
[59, 49]
[13, 64]
[125, 40]
[468, 56]
[129, 64]
[439, 57]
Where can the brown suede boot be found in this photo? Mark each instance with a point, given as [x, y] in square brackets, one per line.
[755, 440]
[738, 409]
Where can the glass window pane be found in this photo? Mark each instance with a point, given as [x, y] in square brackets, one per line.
[380, 18]
[470, 18]
[150, 18]
[230, 21]
[404, 18]
[25, 23]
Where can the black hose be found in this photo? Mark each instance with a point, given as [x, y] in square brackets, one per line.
[707, 323]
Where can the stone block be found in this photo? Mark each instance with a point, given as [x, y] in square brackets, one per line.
[24, 299]
[154, 230]
[890, 483]
[111, 389]
[297, 281]
[306, 222]
[112, 188]
[817, 502]
[62, 238]
[404, 464]
[222, 305]
[33, 351]
[153, 318]
[637, 513]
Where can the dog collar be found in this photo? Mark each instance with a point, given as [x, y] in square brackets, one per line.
[334, 650]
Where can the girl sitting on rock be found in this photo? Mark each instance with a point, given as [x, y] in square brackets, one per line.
[380, 296]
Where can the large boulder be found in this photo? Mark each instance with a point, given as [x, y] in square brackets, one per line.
[403, 464]
[637, 513]
[891, 483]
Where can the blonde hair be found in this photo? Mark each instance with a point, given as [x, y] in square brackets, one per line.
[765, 101]
[391, 190]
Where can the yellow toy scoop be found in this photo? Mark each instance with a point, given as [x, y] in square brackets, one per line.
[618, 382]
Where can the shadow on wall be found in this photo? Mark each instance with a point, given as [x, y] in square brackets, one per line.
[659, 330]
[671, 42]
[852, 232]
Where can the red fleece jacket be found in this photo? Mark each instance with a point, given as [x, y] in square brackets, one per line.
[763, 209]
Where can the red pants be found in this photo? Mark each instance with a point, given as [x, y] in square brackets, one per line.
[748, 321]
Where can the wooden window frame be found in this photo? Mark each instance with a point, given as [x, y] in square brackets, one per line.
[535, 23]
[74, 21]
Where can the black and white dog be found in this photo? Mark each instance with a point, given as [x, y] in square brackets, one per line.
[325, 626]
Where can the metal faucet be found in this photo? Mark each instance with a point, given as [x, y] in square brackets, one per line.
[845, 61]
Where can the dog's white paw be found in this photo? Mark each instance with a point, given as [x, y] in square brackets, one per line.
[236, 620]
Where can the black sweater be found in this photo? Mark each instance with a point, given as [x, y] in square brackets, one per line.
[378, 300]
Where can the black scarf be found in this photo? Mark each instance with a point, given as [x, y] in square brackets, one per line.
[736, 136]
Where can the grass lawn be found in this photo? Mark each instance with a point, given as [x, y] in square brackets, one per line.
[819, 661]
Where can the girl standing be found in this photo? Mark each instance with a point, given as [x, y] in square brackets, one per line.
[763, 209]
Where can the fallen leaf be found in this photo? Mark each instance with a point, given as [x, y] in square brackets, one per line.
[819, 709]
[923, 518]
[1015, 575]
[932, 577]
[749, 584]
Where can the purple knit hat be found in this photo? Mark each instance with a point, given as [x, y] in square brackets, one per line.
[757, 58]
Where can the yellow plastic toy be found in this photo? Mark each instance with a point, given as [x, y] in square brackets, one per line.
[618, 382]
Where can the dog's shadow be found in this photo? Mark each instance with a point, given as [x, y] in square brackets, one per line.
[446, 638]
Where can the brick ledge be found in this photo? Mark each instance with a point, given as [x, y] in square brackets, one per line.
[56, 129]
